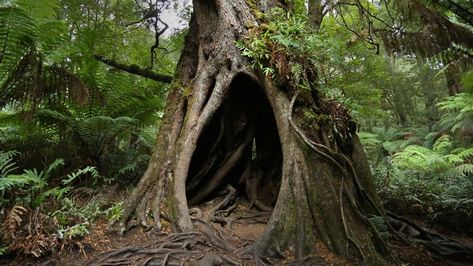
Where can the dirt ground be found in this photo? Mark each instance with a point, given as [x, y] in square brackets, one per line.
[141, 247]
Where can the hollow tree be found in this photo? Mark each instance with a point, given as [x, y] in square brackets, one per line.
[226, 123]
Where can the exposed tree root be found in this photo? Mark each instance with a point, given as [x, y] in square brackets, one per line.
[210, 245]
[438, 244]
[402, 228]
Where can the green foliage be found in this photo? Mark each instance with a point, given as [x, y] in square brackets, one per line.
[436, 179]
[17, 33]
[75, 220]
[30, 183]
[7, 165]
[31, 188]
[3, 251]
[467, 81]
[115, 212]
[284, 46]
[87, 170]
[439, 197]
[382, 142]
[380, 225]
[458, 114]
[59, 102]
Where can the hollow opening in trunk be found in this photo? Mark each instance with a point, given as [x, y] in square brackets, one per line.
[239, 147]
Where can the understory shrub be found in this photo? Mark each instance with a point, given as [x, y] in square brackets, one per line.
[38, 217]
[437, 183]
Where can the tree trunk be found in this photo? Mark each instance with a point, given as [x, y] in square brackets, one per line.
[316, 13]
[428, 90]
[225, 123]
[453, 76]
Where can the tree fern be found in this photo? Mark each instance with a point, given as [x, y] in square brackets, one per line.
[29, 34]
[440, 159]
[99, 131]
[457, 113]
[466, 169]
[465, 153]
[416, 157]
[17, 34]
[147, 136]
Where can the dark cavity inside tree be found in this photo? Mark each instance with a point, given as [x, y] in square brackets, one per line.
[226, 123]
[240, 146]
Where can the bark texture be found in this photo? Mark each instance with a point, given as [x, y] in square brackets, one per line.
[226, 124]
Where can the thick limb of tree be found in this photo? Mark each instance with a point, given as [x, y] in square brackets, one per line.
[134, 69]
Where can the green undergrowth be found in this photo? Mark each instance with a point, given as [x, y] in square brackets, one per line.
[40, 216]
[428, 171]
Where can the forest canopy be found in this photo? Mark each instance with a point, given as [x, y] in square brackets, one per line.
[143, 113]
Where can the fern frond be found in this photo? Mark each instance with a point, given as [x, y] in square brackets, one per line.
[12, 221]
[17, 34]
[43, 11]
[466, 154]
[53, 166]
[14, 181]
[87, 170]
[457, 112]
[56, 192]
[467, 81]
[31, 83]
[6, 162]
[380, 224]
[466, 169]
[416, 157]
[148, 136]
[443, 144]
[98, 131]
[453, 159]
[369, 139]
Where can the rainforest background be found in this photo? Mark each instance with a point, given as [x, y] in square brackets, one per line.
[83, 86]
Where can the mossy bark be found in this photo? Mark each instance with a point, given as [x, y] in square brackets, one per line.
[322, 197]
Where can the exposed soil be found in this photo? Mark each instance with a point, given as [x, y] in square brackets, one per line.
[141, 247]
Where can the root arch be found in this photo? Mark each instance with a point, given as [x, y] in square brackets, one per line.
[240, 146]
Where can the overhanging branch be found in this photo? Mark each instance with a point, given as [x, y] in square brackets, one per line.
[134, 69]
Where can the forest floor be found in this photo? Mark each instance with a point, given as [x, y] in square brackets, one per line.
[139, 246]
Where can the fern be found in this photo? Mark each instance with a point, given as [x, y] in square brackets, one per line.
[147, 136]
[87, 170]
[44, 11]
[441, 159]
[466, 169]
[6, 163]
[33, 181]
[12, 222]
[443, 144]
[458, 112]
[17, 34]
[415, 157]
[465, 154]
[380, 224]
[467, 81]
[13, 181]
[97, 132]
